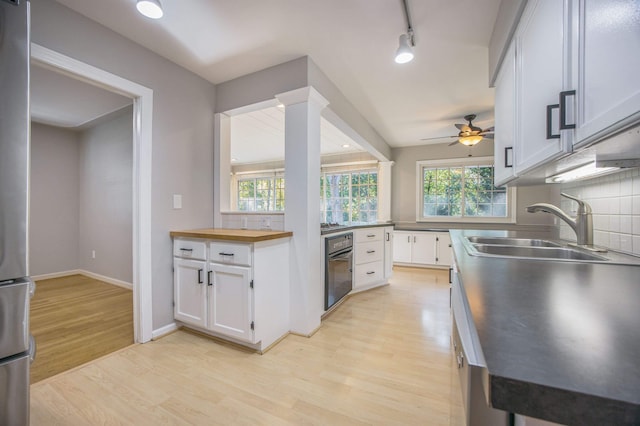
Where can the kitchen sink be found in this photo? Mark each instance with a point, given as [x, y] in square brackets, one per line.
[557, 253]
[506, 241]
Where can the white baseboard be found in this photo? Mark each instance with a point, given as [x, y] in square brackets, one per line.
[163, 331]
[56, 275]
[93, 275]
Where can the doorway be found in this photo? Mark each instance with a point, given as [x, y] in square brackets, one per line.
[141, 207]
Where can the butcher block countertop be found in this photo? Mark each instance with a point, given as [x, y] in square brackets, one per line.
[242, 235]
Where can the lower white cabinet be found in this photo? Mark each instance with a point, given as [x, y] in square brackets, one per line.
[425, 248]
[190, 291]
[231, 301]
[371, 255]
[240, 291]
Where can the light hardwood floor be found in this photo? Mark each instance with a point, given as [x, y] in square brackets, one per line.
[381, 358]
[76, 319]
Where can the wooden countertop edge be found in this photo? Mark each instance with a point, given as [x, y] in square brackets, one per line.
[242, 235]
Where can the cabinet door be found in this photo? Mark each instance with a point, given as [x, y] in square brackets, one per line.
[605, 73]
[424, 248]
[540, 74]
[388, 251]
[402, 242]
[444, 256]
[231, 302]
[190, 291]
[505, 102]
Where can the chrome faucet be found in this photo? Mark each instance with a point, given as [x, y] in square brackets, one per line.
[582, 224]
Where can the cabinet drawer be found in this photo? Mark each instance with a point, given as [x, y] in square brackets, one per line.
[230, 253]
[368, 234]
[190, 249]
[368, 273]
[370, 251]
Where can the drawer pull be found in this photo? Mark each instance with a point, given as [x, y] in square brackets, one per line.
[370, 251]
[371, 272]
[186, 249]
[371, 235]
[225, 254]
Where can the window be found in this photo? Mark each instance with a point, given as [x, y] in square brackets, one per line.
[461, 190]
[349, 197]
[261, 194]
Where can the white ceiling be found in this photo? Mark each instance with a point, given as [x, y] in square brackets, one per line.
[62, 101]
[259, 137]
[352, 41]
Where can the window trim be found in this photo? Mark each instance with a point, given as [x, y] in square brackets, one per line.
[461, 162]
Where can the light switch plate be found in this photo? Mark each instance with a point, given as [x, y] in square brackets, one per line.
[177, 201]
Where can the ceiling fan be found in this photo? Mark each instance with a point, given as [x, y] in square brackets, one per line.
[469, 134]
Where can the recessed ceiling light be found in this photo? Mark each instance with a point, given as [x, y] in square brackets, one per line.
[150, 8]
[234, 159]
[280, 105]
[346, 145]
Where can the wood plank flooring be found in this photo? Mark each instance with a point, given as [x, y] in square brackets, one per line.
[76, 319]
[383, 357]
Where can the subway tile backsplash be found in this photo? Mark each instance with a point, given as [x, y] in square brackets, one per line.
[263, 221]
[615, 201]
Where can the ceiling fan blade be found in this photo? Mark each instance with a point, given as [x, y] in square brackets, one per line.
[489, 136]
[489, 129]
[463, 127]
[438, 137]
[453, 143]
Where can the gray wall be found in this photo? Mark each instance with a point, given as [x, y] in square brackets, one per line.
[105, 192]
[183, 112]
[403, 190]
[54, 201]
[506, 22]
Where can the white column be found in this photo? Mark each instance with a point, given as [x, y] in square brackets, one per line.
[302, 208]
[384, 191]
[221, 167]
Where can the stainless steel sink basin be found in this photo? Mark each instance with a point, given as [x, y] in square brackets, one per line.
[557, 253]
[527, 242]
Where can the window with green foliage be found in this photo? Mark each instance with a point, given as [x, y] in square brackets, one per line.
[349, 197]
[461, 190]
[263, 194]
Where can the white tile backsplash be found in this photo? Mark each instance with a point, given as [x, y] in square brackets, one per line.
[263, 221]
[615, 200]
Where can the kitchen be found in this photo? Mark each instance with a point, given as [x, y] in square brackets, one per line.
[183, 128]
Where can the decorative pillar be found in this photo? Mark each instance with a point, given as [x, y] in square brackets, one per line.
[221, 167]
[302, 206]
[384, 191]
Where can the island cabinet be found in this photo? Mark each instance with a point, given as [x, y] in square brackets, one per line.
[422, 248]
[233, 289]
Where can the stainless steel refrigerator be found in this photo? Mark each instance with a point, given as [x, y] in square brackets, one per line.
[17, 348]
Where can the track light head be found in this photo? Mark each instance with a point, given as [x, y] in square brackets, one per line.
[404, 53]
[150, 8]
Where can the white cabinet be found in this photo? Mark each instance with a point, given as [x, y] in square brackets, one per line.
[369, 252]
[231, 301]
[237, 291]
[422, 248]
[605, 65]
[388, 251]
[190, 291]
[505, 106]
[540, 44]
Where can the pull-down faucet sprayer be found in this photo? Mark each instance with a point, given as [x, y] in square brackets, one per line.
[582, 225]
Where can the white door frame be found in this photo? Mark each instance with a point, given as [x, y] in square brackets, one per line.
[142, 143]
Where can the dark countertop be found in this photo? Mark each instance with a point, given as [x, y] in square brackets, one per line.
[561, 340]
[327, 231]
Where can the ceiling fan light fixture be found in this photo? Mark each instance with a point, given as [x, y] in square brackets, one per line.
[404, 53]
[150, 8]
[470, 140]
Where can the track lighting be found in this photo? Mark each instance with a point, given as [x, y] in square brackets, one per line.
[150, 8]
[404, 53]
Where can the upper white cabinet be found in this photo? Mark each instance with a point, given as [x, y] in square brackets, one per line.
[568, 80]
[505, 107]
[540, 47]
[605, 62]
